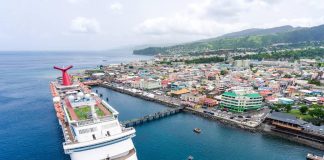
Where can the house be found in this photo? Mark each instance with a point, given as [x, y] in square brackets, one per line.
[191, 97]
[178, 93]
[284, 100]
[149, 84]
[177, 86]
[311, 100]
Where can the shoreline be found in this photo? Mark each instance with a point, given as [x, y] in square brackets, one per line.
[260, 128]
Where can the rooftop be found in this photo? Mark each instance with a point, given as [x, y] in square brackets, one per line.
[285, 117]
[253, 95]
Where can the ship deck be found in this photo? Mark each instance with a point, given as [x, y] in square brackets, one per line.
[74, 115]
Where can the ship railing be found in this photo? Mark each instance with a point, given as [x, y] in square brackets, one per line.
[93, 121]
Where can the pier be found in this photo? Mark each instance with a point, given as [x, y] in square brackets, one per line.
[152, 117]
[164, 101]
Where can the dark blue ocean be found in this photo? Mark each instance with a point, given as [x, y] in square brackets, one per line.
[29, 129]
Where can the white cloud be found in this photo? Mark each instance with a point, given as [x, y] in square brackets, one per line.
[84, 25]
[229, 9]
[302, 21]
[182, 25]
[116, 6]
[208, 18]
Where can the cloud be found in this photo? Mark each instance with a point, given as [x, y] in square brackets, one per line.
[302, 21]
[184, 25]
[224, 10]
[116, 6]
[84, 25]
[208, 18]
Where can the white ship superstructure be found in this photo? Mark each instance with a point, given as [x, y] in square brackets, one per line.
[90, 125]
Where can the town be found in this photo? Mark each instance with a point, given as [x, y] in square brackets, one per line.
[279, 97]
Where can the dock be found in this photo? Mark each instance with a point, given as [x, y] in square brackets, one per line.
[142, 96]
[152, 117]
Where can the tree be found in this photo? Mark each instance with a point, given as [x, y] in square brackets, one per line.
[317, 113]
[287, 76]
[224, 72]
[314, 81]
[287, 108]
[303, 109]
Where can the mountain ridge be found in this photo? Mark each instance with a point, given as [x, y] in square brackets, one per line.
[249, 38]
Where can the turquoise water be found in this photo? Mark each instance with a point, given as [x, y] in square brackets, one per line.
[30, 131]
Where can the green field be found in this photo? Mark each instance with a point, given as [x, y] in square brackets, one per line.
[82, 112]
[99, 112]
[297, 113]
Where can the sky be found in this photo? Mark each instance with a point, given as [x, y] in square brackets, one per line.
[109, 24]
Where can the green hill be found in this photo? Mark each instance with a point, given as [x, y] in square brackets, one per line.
[252, 39]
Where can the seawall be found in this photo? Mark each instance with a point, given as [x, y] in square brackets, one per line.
[266, 129]
[261, 128]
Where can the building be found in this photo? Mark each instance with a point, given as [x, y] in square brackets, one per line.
[288, 124]
[311, 100]
[177, 86]
[190, 97]
[242, 63]
[285, 100]
[148, 84]
[241, 101]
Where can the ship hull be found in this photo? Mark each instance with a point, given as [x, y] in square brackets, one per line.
[123, 150]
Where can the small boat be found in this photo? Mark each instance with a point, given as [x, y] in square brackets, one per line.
[190, 158]
[197, 130]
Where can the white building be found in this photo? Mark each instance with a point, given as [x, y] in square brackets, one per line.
[148, 84]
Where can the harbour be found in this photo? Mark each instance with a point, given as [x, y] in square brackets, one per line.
[169, 138]
[186, 122]
[219, 117]
[168, 101]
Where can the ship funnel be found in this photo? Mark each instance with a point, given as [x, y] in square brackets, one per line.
[65, 75]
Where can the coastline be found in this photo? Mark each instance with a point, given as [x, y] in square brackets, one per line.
[261, 128]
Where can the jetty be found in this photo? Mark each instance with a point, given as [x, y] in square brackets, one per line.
[152, 117]
[167, 102]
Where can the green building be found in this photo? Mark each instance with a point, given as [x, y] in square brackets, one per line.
[240, 101]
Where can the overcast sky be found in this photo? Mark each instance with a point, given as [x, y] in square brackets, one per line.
[107, 24]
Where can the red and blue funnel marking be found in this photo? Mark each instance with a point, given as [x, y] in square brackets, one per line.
[65, 76]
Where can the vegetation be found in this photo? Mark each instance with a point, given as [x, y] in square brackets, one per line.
[82, 112]
[224, 72]
[299, 115]
[281, 107]
[313, 114]
[287, 76]
[288, 55]
[314, 81]
[303, 109]
[294, 38]
[99, 112]
[206, 60]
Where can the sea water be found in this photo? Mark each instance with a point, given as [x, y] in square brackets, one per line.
[30, 130]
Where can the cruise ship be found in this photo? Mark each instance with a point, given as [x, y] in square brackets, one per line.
[90, 125]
